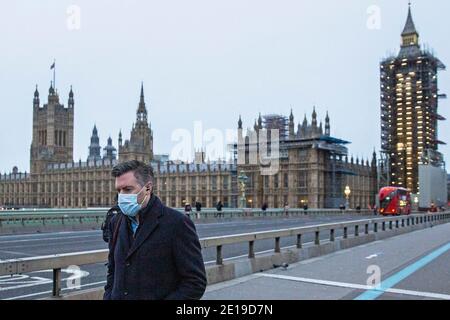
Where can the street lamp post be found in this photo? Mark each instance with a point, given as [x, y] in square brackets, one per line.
[347, 192]
[242, 178]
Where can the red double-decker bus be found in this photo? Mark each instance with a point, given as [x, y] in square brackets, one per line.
[394, 201]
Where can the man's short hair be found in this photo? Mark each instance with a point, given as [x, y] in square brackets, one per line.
[142, 172]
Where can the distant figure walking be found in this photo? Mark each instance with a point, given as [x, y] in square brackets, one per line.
[219, 207]
[188, 209]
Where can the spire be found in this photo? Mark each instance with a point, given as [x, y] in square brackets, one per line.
[409, 28]
[327, 125]
[36, 97]
[120, 137]
[142, 91]
[305, 121]
[291, 125]
[71, 101]
[51, 90]
[410, 36]
[94, 148]
[374, 158]
[141, 114]
[109, 151]
[240, 122]
[260, 121]
[314, 117]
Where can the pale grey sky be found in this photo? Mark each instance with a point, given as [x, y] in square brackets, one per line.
[205, 60]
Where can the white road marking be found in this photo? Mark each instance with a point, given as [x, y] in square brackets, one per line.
[37, 281]
[49, 292]
[375, 255]
[20, 279]
[230, 283]
[45, 239]
[46, 234]
[358, 286]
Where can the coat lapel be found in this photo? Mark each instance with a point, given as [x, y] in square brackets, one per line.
[150, 223]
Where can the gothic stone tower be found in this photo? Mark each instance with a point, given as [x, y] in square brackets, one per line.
[94, 147]
[52, 131]
[140, 145]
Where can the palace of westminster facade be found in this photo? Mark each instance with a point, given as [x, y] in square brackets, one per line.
[313, 167]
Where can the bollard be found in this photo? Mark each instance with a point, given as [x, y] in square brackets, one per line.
[396, 224]
[219, 259]
[383, 226]
[251, 249]
[356, 231]
[345, 233]
[299, 241]
[375, 227]
[317, 240]
[56, 282]
[366, 229]
[390, 225]
[332, 235]
[403, 223]
[277, 245]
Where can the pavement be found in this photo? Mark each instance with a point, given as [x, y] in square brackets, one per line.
[414, 266]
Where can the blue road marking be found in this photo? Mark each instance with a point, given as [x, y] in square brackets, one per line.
[403, 274]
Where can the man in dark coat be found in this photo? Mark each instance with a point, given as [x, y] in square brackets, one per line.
[155, 252]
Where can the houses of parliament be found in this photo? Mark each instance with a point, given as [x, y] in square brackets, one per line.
[314, 167]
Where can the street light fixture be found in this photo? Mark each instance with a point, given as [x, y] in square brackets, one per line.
[242, 178]
[347, 192]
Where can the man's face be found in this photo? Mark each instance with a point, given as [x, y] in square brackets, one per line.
[128, 184]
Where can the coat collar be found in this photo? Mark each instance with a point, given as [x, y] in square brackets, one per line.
[149, 221]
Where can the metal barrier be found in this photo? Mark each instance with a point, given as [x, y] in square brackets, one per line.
[95, 217]
[57, 262]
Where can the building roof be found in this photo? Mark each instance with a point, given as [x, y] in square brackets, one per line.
[410, 28]
[333, 140]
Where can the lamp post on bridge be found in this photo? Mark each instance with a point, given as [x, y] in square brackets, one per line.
[242, 178]
[347, 192]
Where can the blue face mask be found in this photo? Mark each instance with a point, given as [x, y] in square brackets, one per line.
[128, 203]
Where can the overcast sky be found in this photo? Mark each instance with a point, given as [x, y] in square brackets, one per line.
[206, 60]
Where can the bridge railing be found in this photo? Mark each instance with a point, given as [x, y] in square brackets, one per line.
[353, 228]
[95, 217]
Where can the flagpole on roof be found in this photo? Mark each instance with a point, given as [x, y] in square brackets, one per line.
[54, 73]
[53, 66]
